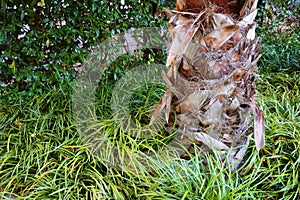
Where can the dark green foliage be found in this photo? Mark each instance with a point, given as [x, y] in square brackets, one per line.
[279, 29]
[42, 41]
[281, 52]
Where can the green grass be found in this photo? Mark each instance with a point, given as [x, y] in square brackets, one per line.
[44, 157]
[279, 32]
[281, 52]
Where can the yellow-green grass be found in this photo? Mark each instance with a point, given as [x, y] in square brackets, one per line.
[42, 155]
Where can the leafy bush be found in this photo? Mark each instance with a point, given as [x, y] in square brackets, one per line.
[41, 42]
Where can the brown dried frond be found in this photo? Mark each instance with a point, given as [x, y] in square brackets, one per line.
[212, 67]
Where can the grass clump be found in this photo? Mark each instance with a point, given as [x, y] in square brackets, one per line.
[43, 155]
[279, 30]
[281, 52]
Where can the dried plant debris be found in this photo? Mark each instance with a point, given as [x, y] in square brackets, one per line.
[212, 68]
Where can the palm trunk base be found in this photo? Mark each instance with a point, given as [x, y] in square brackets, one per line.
[212, 68]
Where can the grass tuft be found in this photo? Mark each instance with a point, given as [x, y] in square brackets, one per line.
[43, 156]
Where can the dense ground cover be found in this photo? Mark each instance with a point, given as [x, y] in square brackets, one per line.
[42, 155]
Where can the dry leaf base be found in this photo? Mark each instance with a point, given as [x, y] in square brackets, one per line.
[210, 97]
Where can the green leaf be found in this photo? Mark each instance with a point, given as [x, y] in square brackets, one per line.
[3, 6]
[22, 14]
[47, 43]
[13, 66]
[41, 3]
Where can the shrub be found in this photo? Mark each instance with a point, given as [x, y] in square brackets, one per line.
[43, 42]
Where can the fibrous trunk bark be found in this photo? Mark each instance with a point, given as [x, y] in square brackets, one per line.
[212, 60]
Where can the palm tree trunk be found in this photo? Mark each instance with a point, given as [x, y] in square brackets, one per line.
[212, 60]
